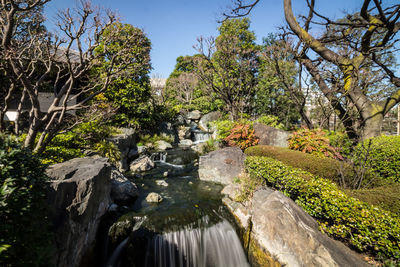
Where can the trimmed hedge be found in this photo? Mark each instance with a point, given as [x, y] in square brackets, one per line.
[384, 156]
[322, 167]
[364, 227]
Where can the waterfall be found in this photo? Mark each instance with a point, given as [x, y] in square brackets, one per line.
[217, 245]
[200, 136]
[116, 255]
[159, 156]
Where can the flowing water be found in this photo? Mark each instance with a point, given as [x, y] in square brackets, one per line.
[189, 228]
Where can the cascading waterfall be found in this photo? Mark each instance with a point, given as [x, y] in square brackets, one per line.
[159, 156]
[216, 245]
[200, 136]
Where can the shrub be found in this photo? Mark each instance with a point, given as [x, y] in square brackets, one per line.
[341, 142]
[366, 228]
[384, 156]
[224, 128]
[145, 139]
[313, 142]
[322, 167]
[25, 239]
[270, 120]
[109, 150]
[242, 136]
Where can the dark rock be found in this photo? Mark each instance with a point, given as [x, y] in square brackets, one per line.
[206, 119]
[123, 191]
[222, 165]
[270, 136]
[124, 142]
[80, 196]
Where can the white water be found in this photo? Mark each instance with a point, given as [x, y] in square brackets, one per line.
[215, 246]
[200, 136]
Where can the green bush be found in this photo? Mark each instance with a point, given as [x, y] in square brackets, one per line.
[145, 139]
[383, 156]
[313, 142]
[365, 228]
[270, 120]
[25, 239]
[341, 142]
[322, 167]
[87, 135]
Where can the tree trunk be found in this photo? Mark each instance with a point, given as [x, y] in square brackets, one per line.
[372, 126]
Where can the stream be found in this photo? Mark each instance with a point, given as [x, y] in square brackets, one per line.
[190, 227]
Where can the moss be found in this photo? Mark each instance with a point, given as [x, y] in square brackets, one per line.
[322, 167]
[386, 197]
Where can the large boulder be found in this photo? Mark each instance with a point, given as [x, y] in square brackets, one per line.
[288, 234]
[80, 196]
[270, 136]
[143, 163]
[193, 115]
[124, 142]
[209, 117]
[123, 191]
[222, 165]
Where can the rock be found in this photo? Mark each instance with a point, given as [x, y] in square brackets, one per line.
[186, 142]
[113, 207]
[123, 191]
[142, 149]
[180, 120]
[80, 196]
[143, 163]
[154, 198]
[209, 117]
[270, 136]
[222, 165]
[194, 115]
[291, 236]
[162, 145]
[231, 190]
[165, 174]
[161, 182]
[166, 129]
[184, 132]
[124, 142]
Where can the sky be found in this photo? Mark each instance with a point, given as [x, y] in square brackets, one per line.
[174, 25]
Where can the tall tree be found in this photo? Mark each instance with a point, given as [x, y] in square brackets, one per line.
[130, 92]
[368, 36]
[229, 65]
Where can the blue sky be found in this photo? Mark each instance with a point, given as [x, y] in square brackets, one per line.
[174, 25]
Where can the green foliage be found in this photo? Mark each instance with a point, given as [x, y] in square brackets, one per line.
[386, 196]
[322, 167]
[146, 139]
[25, 239]
[87, 135]
[224, 128]
[313, 142]
[273, 96]
[341, 142]
[109, 150]
[130, 92]
[383, 156]
[242, 135]
[365, 227]
[271, 120]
